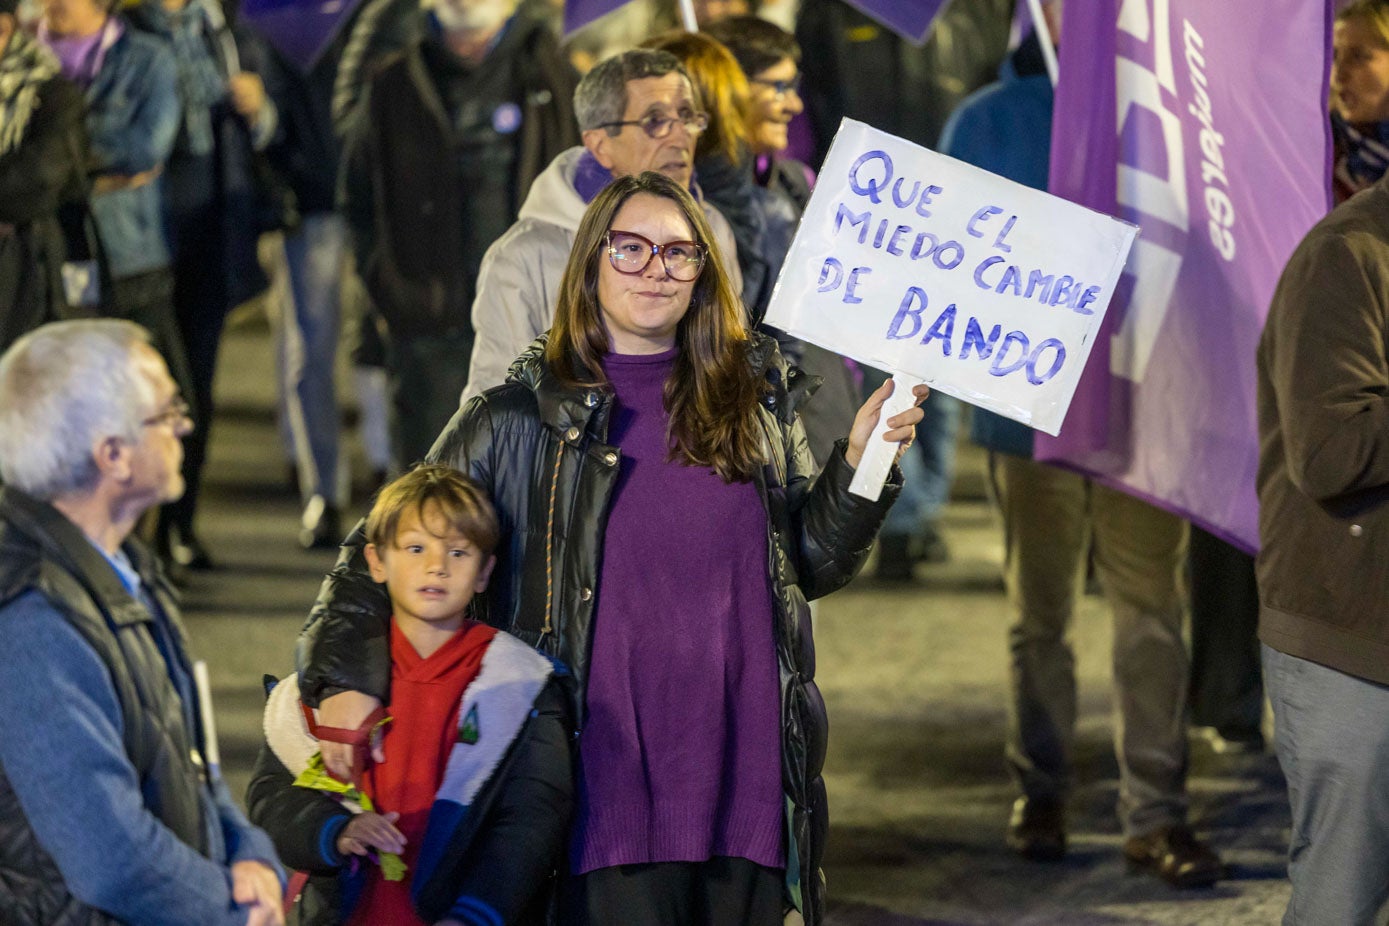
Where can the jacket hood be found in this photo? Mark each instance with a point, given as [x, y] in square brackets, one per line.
[552, 198]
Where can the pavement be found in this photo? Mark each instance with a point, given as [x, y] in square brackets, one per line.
[914, 676]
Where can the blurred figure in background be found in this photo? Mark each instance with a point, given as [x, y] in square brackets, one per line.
[132, 117]
[1049, 515]
[42, 150]
[214, 210]
[770, 58]
[865, 72]
[446, 142]
[1360, 96]
[306, 285]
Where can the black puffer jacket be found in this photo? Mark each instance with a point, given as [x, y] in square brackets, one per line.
[540, 450]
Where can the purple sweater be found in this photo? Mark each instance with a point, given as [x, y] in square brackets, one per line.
[681, 756]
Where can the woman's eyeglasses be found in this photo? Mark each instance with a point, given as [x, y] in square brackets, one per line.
[779, 87]
[629, 252]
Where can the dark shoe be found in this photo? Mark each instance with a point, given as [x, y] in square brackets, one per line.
[186, 550]
[321, 525]
[932, 548]
[1037, 830]
[1176, 856]
[894, 558]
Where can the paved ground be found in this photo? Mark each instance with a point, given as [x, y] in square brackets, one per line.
[914, 679]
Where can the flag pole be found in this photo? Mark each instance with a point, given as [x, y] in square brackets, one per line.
[1039, 23]
[687, 16]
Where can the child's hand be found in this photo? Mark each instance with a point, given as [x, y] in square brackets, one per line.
[367, 831]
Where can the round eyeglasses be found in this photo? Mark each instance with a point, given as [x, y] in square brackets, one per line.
[629, 252]
[657, 126]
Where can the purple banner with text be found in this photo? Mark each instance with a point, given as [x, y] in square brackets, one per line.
[1204, 124]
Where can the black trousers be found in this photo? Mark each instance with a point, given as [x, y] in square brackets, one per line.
[719, 892]
[201, 304]
[1227, 690]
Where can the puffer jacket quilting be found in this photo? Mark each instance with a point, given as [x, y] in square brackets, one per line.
[540, 451]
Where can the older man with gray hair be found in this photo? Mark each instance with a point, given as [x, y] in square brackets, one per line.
[637, 111]
[108, 809]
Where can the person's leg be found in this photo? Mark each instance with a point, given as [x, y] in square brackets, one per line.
[903, 523]
[428, 374]
[200, 306]
[314, 258]
[737, 892]
[937, 435]
[1139, 557]
[1227, 692]
[314, 254]
[1044, 529]
[369, 378]
[1332, 740]
[657, 894]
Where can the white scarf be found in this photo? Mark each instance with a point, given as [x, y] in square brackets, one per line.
[24, 67]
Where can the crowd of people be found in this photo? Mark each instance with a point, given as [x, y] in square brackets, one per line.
[553, 261]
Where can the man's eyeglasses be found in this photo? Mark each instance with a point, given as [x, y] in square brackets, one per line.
[659, 126]
[178, 413]
[779, 87]
[629, 252]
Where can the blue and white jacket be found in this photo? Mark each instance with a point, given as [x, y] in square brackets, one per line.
[500, 817]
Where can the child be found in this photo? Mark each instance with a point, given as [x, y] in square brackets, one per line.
[471, 786]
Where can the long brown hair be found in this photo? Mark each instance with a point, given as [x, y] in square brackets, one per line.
[711, 395]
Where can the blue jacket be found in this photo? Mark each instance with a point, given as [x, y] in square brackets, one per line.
[105, 814]
[132, 118]
[1006, 128]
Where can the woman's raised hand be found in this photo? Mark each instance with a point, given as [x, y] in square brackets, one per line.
[902, 426]
[346, 710]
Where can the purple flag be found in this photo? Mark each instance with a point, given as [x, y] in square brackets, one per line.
[579, 13]
[300, 30]
[911, 19]
[1205, 124]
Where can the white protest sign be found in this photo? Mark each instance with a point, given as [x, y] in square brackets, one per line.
[914, 262]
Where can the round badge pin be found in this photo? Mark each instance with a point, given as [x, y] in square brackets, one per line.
[506, 118]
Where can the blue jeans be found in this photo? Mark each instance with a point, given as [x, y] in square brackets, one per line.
[1331, 733]
[306, 344]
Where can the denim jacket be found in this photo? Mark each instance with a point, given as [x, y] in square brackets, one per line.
[132, 118]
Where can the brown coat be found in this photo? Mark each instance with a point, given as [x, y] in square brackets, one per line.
[1324, 445]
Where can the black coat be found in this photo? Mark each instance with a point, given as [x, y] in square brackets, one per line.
[400, 181]
[540, 451]
[504, 856]
[42, 173]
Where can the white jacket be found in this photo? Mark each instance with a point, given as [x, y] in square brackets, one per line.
[518, 282]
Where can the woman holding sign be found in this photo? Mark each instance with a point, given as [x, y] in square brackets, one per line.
[661, 534]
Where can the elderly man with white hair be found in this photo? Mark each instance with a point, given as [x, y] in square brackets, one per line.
[108, 810]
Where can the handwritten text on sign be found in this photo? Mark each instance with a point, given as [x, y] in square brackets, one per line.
[914, 262]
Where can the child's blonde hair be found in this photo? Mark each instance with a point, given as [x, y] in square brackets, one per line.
[430, 488]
